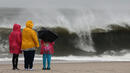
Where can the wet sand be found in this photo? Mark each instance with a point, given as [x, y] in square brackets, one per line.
[79, 67]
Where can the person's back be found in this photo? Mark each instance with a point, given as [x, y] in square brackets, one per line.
[29, 37]
[15, 41]
[47, 46]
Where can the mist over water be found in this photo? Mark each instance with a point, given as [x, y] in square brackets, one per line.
[75, 20]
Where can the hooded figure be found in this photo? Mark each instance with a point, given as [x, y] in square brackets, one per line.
[29, 42]
[29, 37]
[15, 41]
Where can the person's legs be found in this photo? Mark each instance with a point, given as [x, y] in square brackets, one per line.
[13, 61]
[44, 61]
[26, 59]
[48, 60]
[31, 58]
[17, 55]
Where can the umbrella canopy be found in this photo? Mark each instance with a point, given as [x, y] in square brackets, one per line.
[47, 35]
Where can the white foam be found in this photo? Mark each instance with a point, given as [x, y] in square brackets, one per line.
[104, 58]
[94, 58]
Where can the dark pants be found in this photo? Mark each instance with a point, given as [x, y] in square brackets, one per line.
[28, 59]
[15, 60]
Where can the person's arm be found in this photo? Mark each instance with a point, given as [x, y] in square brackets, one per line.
[42, 42]
[19, 37]
[35, 38]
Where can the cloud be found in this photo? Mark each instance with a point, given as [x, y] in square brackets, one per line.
[96, 4]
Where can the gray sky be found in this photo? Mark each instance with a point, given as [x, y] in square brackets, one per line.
[97, 4]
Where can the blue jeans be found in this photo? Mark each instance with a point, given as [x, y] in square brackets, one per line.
[46, 57]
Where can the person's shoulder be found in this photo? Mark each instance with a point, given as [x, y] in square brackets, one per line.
[25, 29]
[33, 31]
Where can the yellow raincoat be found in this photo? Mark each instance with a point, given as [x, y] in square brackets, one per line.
[29, 37]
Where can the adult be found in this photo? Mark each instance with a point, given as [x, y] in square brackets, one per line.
[29, 44]
[15, 41]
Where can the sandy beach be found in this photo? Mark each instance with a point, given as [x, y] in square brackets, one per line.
[84, 67]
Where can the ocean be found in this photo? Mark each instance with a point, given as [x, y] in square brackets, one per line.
[84, 34]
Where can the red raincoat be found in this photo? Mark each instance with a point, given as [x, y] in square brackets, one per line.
[15, 40]
[51, 49]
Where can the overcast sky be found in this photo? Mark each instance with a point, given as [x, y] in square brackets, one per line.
[98, 4]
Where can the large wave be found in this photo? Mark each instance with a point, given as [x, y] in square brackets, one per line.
[82, 32]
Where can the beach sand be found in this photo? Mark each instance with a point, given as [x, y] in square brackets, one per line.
[79, 67]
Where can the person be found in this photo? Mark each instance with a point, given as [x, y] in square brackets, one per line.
[15, 41]
[29, 44]
[47, 50]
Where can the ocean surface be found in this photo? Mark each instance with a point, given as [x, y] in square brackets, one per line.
[84, 34]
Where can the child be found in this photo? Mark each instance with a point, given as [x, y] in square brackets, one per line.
[47, 50]
[15, 41]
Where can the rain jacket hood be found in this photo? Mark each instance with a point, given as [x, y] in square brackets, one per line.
[16, 27]
[29, 24]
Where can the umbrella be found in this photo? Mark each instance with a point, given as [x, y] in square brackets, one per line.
[47, 35]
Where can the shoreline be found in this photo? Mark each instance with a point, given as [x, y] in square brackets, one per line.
[64, 62]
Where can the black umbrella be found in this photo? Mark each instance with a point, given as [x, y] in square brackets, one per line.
[47, 35]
